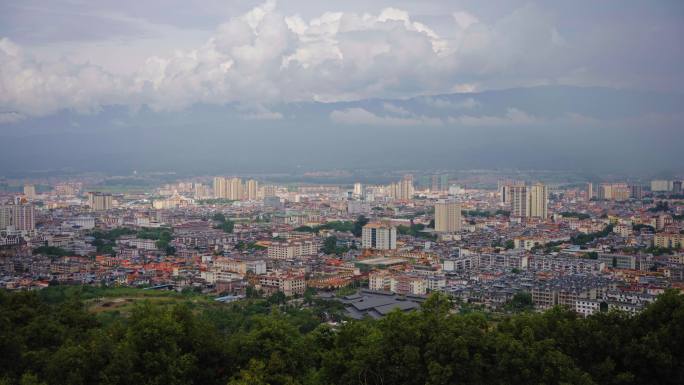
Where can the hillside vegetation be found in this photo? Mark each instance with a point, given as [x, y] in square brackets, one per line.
[56, 337]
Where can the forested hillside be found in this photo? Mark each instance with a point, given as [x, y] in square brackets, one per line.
[57, 340]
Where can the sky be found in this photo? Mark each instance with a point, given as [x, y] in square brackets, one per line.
[65, 65]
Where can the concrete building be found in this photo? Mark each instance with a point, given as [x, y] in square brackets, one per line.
[234, 189]
[661, 185]
[380, 280]
[407, 284]
[379, 236]
[618, 261]
[636, 191]
[30, 191]
[286, 284]
[518, 200]
[403, 190]
[439, 183]
[537, 203]
[252, 189]
[19, 216]
[99, 201]
[447, 217]
[358, 190]
[614, 191]
[292, 249]
[220, 190]
[668, 240]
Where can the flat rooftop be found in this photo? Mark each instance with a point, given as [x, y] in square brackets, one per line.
[382, 261]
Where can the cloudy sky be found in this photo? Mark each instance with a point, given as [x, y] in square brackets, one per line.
[82, 57]
[170, 54]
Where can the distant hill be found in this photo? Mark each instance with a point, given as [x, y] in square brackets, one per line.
[551, 127]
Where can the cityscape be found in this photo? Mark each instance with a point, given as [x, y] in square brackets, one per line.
[612, 244]
[408, 192]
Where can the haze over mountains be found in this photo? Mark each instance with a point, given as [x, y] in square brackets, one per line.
[549, 127]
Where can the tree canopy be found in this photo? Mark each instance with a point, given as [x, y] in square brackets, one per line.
[260, 341]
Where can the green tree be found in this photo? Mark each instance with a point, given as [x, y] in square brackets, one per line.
[521, 301]
[330, 245]
[358, 225]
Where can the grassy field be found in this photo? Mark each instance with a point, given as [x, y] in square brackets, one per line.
[112, 302]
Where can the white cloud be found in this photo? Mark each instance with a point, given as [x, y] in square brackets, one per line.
[465, 19]
[263, 56]
[360, 116]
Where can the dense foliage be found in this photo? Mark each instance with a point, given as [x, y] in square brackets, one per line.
[583, 239]
[52, 251]
[330, 246]
[573, 214]
[105, 241]
[55, 340]
[224, 223]
[416, 230]
[355, 227]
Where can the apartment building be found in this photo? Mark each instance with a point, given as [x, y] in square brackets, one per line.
[99, 201]
[379, 236]
[286, 284]
[19, 216]
[292, 249]
[407, 284]
[566, 265]
[447, 217]
[380, 280]
[668, 240]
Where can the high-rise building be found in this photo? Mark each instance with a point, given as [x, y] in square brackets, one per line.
[505, 191]
[677, 186]
[661, 185]
[537, 203]
[379, 236]
[19, 216]
[439, 183]
[252, 188]
[636, 191]
[236, 190]
[99, 201]
[30, 191]
[24, 217]
[518, 200]
[447, 217]
[590, 191]
[65, 189]
[614, 191]
[201, 191]
[405, 192]
[5, 217]
[358, 190]
[219, 187]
